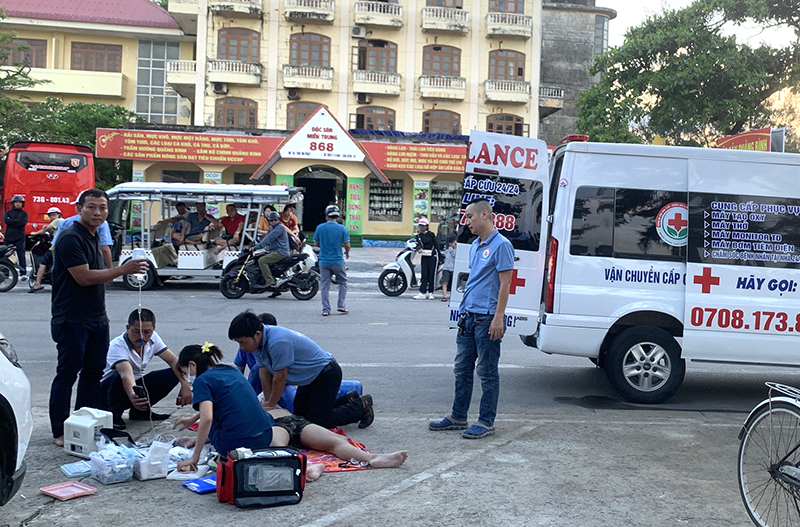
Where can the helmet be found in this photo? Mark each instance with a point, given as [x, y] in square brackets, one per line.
[273, 216]
[332, 211]
[18, 197]
[53, 209]
[423, 221]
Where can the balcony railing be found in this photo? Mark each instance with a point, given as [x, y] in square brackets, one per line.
[446, 83]
[509, 86]
[377, 77]
[323, 5]
[234, 66]
[446, 13]
[379, 8]
[181, 66]
[254, 3]
[313, 72]
[509, 19]
[551, 92]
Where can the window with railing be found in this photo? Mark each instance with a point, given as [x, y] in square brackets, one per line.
[375, 118]
[377, 55]
[441, 122]
[505, 123]
[310, 49]
[96, 57]
[236, 112]
[506, 6]
[506, 65]
[27, 52]
[236, 43]
[442, 61]
[298, 112]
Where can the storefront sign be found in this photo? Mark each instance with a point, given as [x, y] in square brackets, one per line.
[284, 180]
[758, 140]
[355, 204]
[417, 157]
[422, 198]
[136, 206]
[148, 145]
[322, 137]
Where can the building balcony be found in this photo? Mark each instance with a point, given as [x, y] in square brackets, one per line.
[439, 87]
[445, 19]
[378, 14]
[234, 72]
[243, 8]
[551, 100]
[182, 76]
[77, 82]
[509, 25]
[185, 14]
[376, 82]
[308, 77]
[310, 10]
[507, 91]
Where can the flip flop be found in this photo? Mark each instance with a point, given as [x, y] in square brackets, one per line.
[325, 314]
[342, 310]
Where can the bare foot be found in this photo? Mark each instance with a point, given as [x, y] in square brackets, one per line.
[59, 441]
[313, 472]
[389, 460]
[219, 250]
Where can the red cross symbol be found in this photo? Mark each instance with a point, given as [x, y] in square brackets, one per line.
[515, 281]
[678, 222]
[706, 280]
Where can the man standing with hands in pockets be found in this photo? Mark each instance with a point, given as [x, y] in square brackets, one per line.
[480, 324]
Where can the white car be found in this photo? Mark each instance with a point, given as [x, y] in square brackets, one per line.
[16, 421]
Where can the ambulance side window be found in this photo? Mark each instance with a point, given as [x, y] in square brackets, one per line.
[635, 234]
[593, 222]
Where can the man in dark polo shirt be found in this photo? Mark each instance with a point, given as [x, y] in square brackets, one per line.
[79, 325]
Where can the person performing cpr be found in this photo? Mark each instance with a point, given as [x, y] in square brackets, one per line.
[230, 415]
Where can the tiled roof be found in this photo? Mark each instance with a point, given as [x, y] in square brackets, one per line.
[119, 12]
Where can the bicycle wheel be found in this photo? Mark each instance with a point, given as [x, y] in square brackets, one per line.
[771, 496]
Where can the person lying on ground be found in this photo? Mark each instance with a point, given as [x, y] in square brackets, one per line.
[231, 417]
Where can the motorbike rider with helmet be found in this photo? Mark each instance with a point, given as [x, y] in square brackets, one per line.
[15, 221]
[276, 241]
[429, 250]
[54, 213]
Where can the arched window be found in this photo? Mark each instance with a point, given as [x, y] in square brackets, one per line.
[310, 49]
[375, 118]
[377, 55]
[441, 122]
[506, 65]
[236, 112]
[444, 61]
[505, 123]
[236, 43]
[298, 112]
[506, 6]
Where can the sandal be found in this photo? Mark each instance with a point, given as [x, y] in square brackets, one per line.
[444, 299]
[477, 431]
[342, 310]
[447, 423]
[325, 314]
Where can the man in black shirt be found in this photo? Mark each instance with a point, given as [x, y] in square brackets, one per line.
[79, 324]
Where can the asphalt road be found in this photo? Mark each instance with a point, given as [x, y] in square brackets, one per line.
[568, 451]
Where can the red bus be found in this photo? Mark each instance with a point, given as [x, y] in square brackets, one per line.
[47, 175]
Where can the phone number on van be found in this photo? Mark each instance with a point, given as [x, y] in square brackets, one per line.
[738, 319]
[503, 222]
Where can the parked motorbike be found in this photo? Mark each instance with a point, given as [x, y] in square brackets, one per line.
[291, 274]
[8, 268]
[399, 275]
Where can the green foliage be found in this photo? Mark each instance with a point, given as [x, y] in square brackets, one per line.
[678, 76]
[52, 120]
[16, 76]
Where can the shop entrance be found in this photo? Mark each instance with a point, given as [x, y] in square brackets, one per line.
[324, 186]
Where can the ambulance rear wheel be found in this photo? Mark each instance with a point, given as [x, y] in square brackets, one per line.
[644, 365]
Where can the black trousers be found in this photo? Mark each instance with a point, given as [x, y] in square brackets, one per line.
[428, 272]
[158, 383]
[318, 403]
[20, 245]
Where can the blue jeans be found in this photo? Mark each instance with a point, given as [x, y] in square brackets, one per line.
[325, 273]
[475, 345]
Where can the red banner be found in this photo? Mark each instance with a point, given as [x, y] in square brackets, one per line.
[417, 157]
[758, 140]
[177, 146]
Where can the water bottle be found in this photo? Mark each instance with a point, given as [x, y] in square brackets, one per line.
[138, 254]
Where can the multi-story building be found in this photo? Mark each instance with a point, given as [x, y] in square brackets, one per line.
[114, 52]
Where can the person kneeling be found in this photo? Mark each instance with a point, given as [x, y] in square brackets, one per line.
[125, 385]
[231, 417]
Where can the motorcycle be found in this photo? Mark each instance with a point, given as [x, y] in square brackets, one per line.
[8, 268]
[291, 274]
[41, 244]
[399, 275]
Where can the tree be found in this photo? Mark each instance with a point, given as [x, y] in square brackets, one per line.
[15, 76]
[679, 76]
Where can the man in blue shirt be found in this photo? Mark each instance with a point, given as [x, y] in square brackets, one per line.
[329, 237]
[285, 356]
[276, 241]
[481, 325]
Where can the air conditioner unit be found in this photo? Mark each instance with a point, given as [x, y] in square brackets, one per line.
[363, 98]
[358, 32]
[293, 94]
[220, 87]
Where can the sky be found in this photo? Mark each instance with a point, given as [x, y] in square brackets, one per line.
[634, 12]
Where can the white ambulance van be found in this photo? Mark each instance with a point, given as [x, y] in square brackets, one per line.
[652, 256]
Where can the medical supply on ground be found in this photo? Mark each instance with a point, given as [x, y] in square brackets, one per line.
[177, 475]
[68, 490]
[113, 464]
[201, 485]
[261, 478]
[80, 429]
[79, 469]
[349, 386]
[152, 462]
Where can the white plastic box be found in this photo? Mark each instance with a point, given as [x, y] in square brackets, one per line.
[80, 429]
[153, 462]
[113, 464]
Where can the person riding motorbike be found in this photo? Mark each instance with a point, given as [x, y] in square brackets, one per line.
[54, 213]
[276, 241]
